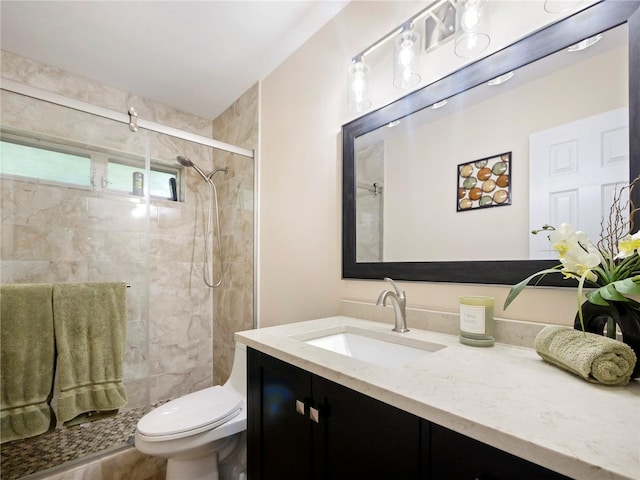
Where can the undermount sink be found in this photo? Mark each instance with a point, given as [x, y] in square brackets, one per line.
[389, 351]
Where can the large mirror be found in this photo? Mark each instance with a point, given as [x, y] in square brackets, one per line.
[451, 193]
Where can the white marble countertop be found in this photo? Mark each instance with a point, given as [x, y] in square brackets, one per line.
[504, 396]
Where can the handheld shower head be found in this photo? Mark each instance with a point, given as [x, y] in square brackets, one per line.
[184, 161]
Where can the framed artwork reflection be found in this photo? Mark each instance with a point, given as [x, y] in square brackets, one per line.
[484, 183]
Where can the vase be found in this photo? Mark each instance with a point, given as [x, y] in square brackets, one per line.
[601, 319]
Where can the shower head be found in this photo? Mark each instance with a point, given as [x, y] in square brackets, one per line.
[184, 161]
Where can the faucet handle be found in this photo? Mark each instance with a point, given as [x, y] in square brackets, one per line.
[399, 293]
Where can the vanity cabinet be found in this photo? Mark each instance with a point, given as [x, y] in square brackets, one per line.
[453, 456]
[302, 426]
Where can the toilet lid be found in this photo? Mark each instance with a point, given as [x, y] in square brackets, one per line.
[191, 412]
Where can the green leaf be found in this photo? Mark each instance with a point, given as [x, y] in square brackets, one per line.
[595, 298]
[516, 289]
[609, 292]
[615, 291]
[628, 286]
[580, 287]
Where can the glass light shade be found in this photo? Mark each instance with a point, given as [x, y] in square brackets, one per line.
[472, 28]
[584, 44]
[405, 59]
[358, 86]
[439, 104]
[501, 79]
[560, 6]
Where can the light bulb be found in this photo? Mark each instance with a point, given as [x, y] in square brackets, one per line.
[407, 39]
[471, 40]
[472, 28]
[358, 85]
[470, 18]
[405, 57]
[405, 75]
[358, 97]
[358, 88]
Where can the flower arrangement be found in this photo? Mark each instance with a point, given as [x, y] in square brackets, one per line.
[612, 266]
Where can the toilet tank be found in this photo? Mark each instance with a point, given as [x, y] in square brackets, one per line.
[238, 378]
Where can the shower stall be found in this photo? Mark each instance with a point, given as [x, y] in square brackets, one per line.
[113, 204]
[370, 200]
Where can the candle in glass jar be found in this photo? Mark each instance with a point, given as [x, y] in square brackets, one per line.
[476, 321]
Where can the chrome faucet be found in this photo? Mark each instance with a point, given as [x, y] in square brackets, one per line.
[399, 301]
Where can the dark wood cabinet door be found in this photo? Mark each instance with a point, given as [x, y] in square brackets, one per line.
[278, 436]
[354, 436]
[456, 457]
[359, 437]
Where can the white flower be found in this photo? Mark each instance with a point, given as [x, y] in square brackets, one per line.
[629, 245]
[578, 261]
[565, 238]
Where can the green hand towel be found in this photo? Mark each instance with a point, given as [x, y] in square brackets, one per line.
[90, 330]
[595, 358]
[27, 357]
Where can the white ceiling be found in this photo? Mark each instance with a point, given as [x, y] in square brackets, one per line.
[196, 56]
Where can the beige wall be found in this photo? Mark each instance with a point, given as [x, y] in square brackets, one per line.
[303, 106]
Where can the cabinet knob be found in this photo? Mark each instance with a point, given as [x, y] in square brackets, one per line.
[300, 407]
[314, 415]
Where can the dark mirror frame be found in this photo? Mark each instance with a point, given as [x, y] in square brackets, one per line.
[590, 21]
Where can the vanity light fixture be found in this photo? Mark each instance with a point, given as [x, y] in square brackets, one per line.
[472, 28]
[407, 46]
[439, 104]
[358, 85]
[439, 25]
[584, 44]
[501, 79]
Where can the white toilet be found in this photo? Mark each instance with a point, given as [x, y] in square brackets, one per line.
[197, 430]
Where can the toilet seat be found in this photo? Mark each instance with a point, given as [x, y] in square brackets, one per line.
[190, 414]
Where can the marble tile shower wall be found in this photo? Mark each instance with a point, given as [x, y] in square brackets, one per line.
[51, 234]
[233, 302]
[62, 234]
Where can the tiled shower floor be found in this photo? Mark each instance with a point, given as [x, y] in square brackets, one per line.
[24, 457]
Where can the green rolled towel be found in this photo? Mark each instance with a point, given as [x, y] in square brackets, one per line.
[90, 330]
[27, 359]
[595, 358]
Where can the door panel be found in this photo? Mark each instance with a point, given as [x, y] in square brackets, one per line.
[574, 171]
[279, 439]
[363, 437]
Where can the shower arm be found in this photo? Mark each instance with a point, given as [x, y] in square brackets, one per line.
[216, 170]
